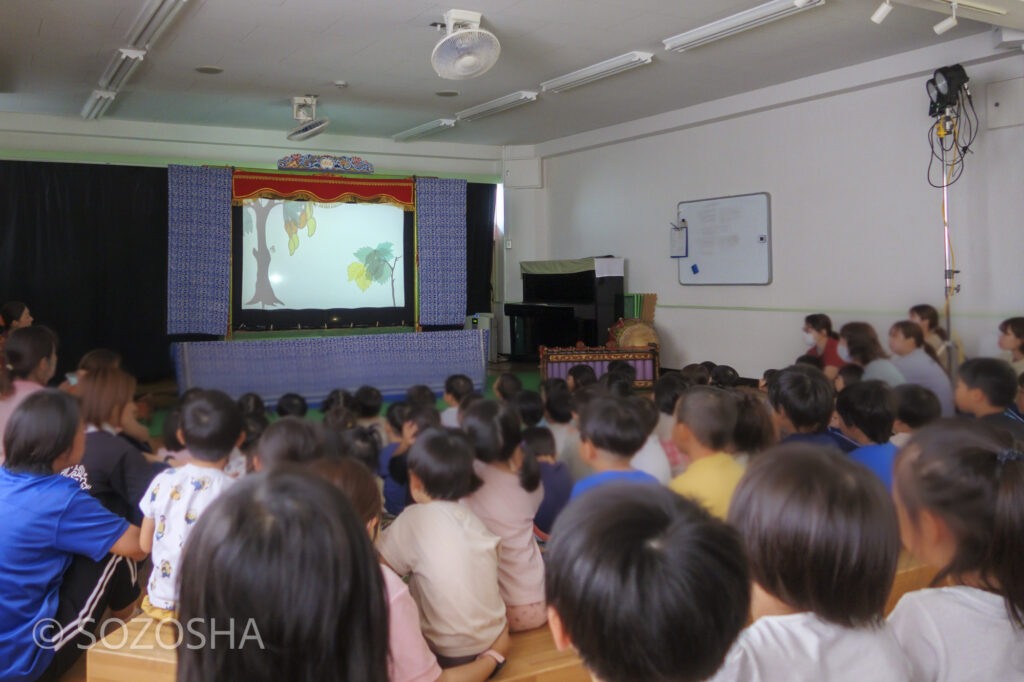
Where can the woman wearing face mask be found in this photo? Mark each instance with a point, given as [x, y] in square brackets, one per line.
[824, 343]
[859, 343]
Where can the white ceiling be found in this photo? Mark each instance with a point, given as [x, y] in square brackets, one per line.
[52, 53]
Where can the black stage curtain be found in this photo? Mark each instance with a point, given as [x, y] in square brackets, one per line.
[85, 247]
[480, 200]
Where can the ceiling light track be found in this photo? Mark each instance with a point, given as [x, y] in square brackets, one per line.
[608, 67]
[497, 105]
[424, 130]
[737, 23]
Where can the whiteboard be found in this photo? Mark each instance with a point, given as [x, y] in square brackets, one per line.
[726, 240]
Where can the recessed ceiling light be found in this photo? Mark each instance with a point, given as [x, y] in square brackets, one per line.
[447, 93]
[209, 70]
[340, 84]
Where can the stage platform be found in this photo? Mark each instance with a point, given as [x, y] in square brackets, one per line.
[314, 366]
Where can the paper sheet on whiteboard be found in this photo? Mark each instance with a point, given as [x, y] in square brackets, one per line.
[728, 240]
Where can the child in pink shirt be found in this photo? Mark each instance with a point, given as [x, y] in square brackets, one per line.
[507, 503]
[29, 360]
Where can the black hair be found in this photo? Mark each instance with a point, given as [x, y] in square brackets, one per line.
[612, 425]
[916, 405]
[666, 391]
[582, 397]
[709, 366]
[1015, 326]
[804, 394]
[292, 405]
[339, 418]
[495, 431]
[871, 407]
[290, 440]
[755, 429]
[172, 421]
[338, 397]
[627, 566]
[26, 347]
[211, 424]
[821, 322]
[423, 417]
[582, 375]
[539, 441]
[420, 395]
[458, 386]
[811, 361]
[253, 425]
[41, 429]
[851, 374]
[443, 461]
[616, 384]
[913, 331]
[862, 342]
[10, 313]
[972, 477]
[253, 559]
[994, 377]
[252, 403]
[507, 386]
[724, 376]
[696, 375]
[100, 358]
[624, 367]
[361, 443]
[558, 404]
[646, 413]
[710, 414]
[366, 402]
[821, 532]
[530, 406]
[553, 384]
[469, 399]
[929, 314]
[189, 394]
[396, 414]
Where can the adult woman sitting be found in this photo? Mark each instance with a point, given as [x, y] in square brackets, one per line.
[824, 343]
[919, 364]
[27, 363]
[59, 544]
[13, 315]
[934, 335]
[859, 343]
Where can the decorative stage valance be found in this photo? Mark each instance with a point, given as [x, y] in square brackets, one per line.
[323, 188]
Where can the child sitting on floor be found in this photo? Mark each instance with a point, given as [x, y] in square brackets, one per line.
[292, 405]
[411, 659]
[530, 406]
[667, 390]
[959, 490]
[645, 585]
[288, 440]
[803, 400]
[822, 539]
[366, 404]
[456, 387]
[506, 387]
[986, 388]
[580, 376]
[554, 476]
[916, 407]
[705, 421]
[866, 414]
[651, 456]
[417, 420]
[450, 556]
[507, 502]
[210, 427]
[610, 435]
[559, 419]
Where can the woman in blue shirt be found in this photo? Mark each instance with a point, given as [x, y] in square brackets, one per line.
[59, 545]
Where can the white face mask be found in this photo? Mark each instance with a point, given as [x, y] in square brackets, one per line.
[844, 353]
[809, 339]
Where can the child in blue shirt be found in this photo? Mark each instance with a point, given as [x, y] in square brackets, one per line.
[611, 432]
[59, 545]
[867, 412]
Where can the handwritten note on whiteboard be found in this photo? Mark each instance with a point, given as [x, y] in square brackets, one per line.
[728, 240]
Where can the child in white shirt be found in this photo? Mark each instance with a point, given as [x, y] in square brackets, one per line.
[456, 387]
[823, 540]
[447, 552]
[211, 428]
[959, 488]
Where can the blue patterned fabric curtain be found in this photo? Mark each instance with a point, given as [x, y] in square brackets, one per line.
[198, 250]
[441, 235]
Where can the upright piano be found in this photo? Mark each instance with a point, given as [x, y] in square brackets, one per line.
[565, 302]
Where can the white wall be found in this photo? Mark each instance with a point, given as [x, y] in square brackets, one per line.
[38, 137]
[857, 232]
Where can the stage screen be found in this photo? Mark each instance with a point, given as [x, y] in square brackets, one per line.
[342, 264]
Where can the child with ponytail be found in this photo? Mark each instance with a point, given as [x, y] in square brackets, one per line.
[507, 503]
[28, 361]
[959, 492]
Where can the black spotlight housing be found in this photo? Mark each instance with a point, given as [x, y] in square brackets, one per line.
[944, 88]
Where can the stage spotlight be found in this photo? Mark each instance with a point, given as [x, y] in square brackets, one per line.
[947, 23]
[949, 79]
[882, 12]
